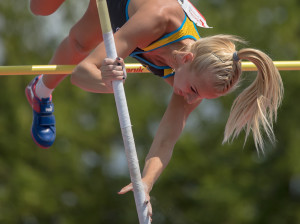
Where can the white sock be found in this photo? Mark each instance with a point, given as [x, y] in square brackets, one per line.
[41, 90]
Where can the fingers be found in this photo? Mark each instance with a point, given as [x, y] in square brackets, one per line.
[120, 62]
[113, 69]
[126, 189]
[147, 202]
[150, 211]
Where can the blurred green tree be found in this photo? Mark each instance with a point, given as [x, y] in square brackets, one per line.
[77, 180]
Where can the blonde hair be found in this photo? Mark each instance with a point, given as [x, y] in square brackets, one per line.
[256, 106]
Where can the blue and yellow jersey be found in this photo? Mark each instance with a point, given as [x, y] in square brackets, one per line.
[186, 30]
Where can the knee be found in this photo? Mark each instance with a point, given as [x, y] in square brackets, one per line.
[82, 42]
[44, 8]
[40, 11]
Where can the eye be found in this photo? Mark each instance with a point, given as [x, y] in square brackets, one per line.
[194, 90]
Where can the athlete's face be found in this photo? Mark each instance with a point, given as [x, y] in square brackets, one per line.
[193, 86]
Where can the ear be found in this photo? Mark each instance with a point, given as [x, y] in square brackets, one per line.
[186, 57]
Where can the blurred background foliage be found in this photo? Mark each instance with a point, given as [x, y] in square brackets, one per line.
[77, 180]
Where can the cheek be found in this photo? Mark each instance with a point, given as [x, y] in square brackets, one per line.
[176, 83]
[179, 79]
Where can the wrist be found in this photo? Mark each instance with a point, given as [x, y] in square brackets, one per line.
[148, 184]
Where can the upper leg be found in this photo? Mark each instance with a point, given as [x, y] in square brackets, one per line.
[86, 33]
[44, 7]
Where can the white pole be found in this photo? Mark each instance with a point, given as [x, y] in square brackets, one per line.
[133, 164]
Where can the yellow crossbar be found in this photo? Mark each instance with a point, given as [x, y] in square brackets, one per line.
[131, 68]
[281, 66]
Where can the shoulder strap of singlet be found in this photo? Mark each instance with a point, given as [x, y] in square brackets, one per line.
[186, 30]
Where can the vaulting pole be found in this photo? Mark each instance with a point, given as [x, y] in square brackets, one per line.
[132, 159]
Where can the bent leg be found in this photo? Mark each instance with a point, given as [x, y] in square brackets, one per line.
[84, 36]
[44, 7]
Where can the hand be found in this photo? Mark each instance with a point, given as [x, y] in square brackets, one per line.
[113, 69]
[129, 187]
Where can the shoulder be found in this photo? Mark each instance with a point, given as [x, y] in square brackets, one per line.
[150, 20]
[163, 8]
[160, 12]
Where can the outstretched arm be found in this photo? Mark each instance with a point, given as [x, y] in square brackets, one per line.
[164, 141]
[168, 133]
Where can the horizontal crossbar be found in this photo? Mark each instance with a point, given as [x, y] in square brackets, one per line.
[130, 68]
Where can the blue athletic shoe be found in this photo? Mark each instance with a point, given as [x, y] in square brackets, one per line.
[43, 130]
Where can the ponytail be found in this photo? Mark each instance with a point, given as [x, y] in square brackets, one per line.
[256, 107]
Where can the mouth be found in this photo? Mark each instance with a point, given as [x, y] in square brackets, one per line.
[189, 101]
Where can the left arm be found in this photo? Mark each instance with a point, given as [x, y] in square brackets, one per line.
[169, 131]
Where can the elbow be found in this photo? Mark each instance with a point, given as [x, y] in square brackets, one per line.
[77, 75]
[86, 77]
[74, 77]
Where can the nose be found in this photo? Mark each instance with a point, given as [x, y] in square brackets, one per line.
[179, 92]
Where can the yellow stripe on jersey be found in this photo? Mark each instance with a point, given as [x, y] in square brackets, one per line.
[185, 30]
[168, 71]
